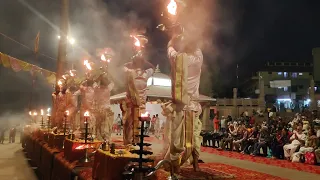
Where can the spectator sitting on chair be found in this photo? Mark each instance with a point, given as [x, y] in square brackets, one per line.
[232, 132]
[262, 142]
[243, 132]
[310, 145]
[282, 137]
[252, 139]
[296, 140]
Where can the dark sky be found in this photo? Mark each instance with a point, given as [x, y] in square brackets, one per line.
[247, 32]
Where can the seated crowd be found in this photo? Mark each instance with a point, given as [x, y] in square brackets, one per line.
[296, 141]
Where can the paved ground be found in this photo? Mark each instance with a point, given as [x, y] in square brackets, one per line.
[14, 165]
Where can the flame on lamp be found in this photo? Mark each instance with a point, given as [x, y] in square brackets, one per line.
[145, 114]
[137, 42]
[87, 64]
[59, 83]
[41, 112]
[67, 112]
[35, 113]
[30, 113]
[71, 74]
[86, 114]
[172, 7]
[103, 58]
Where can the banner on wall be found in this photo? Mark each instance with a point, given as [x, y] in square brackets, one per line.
[18, 65]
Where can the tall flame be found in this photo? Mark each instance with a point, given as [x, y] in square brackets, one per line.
[172, 7]
[87, 64]
[86, 114]
[145, 114]
[41, 112]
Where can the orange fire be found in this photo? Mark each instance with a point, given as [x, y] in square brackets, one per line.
[67, 112]
[103, 58]
[84, 146]
[145, 114]
[137, 42]
[87, 64]
[86, 114]
[59, 83]
[41, 112]
[71, 74]
[172, 7]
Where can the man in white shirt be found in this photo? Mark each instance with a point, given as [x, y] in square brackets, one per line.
[297, 139]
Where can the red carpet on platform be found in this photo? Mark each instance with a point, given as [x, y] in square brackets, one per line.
[263, 160]
[218, 171]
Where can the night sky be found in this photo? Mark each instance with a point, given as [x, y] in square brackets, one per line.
[247, 32]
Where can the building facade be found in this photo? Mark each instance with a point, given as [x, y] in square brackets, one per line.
[286, 85]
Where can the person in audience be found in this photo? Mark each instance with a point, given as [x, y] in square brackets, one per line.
[280, 140]
[311, 144]
[252, 139]
[216, 124]
[297, 139]
[223, 124]
[2, 134]
[232, 132]
[252, 121]
[262, 142]
[243, 135]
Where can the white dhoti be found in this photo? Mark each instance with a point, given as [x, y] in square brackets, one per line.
[289, 149]
[185, 139]
[302, 151]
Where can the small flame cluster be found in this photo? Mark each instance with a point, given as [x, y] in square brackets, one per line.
[87, 64]
[35, 113]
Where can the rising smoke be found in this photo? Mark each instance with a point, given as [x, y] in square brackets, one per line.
[97, 24]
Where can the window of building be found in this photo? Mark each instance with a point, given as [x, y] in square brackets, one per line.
[294, 75]
[300, 74]
[285, 89]
[279, 73]
[285, 74]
